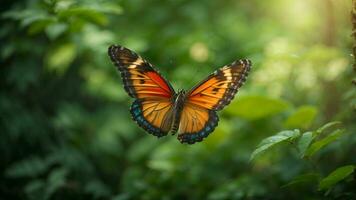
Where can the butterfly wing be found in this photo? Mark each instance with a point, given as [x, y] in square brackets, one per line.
[153, 108]
[196, 123]
[199, 117]
[217, 91]
[154, 116]
[139, 78]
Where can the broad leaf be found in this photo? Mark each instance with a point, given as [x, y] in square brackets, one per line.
[336, 176]
[273, 140]
[302, 118]
[256, 107]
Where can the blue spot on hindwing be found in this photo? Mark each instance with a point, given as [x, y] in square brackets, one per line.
[137, 114]
[208, 128]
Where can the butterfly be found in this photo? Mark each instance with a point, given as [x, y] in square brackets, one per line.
[158, 109]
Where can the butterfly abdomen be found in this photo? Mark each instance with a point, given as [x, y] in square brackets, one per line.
[178, 107]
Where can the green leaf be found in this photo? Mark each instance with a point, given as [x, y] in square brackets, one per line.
[326, 126]
[269, 142]
[40, 25]
[56, 179]
[35, 189]
[29, 167]
[87, 13]
[110, 8]
[304, 142]
[55, 30]
[61, 57]
[97, 189]
[256, 107]
[302, 118]
[316, 146]
[302, 179]
[336, 176]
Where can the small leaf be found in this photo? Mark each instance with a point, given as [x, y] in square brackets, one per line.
[304, 142]
[316, 146]
[326, 126]
[336, 176]
[61, 57]
[87, 13]
[110, 8]
[29, 167]
[40, 25]
[273, 140]
[55, 30]
[302, 179]
[35, 188]
[302, 118]
[256, 107]
[56, 179]
[97, 189]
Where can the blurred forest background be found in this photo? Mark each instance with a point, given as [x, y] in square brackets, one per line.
[66, 130]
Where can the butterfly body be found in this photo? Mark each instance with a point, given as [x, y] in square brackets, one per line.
[179, 100]
[159, 109]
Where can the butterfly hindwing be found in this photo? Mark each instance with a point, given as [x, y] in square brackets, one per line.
[152, 109]
[217, 91]
[153, 116]
[196, 123]
[139, 78]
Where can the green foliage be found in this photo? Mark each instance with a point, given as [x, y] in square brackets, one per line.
[304, 142]
[303, 179]
[336, 176]
[256, 107]
[66, 130]
[274, 140]
[307, 146]
[61, 57]
[315, 147]
[302, 117]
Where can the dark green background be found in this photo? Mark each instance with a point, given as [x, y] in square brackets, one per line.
[66, 130]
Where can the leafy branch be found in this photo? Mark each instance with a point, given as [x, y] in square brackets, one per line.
[307, 145]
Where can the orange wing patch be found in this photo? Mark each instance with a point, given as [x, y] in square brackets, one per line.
[155, 116]
[140, 79]
[147, 84]
[196, 123]
[158, 113]
[219, 88]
